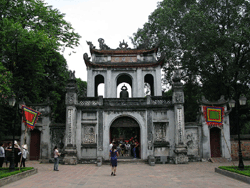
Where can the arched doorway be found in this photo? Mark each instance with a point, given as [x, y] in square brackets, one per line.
[215, 142]
[125, 129]
[124, 79]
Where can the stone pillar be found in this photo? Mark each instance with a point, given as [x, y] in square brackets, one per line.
[91, 84]
[140, 84]
[108, 85]
[178, 101]
[157, 82]
[70, 140]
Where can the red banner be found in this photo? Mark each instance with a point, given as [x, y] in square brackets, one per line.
[30, 116]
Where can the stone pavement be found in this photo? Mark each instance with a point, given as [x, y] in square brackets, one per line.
[194, 174]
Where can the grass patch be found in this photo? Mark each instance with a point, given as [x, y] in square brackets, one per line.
[4, 172]
[235, 169]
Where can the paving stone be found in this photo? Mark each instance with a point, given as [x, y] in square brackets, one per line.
[191, 175]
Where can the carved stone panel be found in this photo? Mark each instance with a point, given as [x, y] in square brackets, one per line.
[192, 141]
[178, 97]
[88, 134]
[160, 131]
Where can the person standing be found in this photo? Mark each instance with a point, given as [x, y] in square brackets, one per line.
[56, 158]
[2, 154]
[113, 154]
[17, 153]
[8, 150]
[24, 156]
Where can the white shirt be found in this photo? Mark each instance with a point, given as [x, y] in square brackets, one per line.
[55, 153]
[2, 152]
[25, 152]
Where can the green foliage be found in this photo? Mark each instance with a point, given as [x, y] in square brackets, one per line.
[6, 83]
[208, 40]
[245, 172]
[82, 87]
[31, 35]
[4, 172]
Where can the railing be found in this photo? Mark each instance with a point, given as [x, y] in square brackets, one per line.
[124, 102]
[88, 101]
[98, 101]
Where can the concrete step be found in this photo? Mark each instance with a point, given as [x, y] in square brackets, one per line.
[218, 160]
[120, 160]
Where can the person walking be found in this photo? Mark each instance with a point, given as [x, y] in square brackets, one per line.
[56, 158]
[2, 154]
[113, 154]
[24, 155]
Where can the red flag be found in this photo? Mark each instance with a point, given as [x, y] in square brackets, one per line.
[30, 116]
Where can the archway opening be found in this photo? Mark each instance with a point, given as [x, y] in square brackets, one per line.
[99, 85]
[126, 130]
[124, 79]
[215, 142]
[149, 84]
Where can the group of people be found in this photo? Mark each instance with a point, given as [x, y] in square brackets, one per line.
[127, 148]
[122, 148]
[20, 154]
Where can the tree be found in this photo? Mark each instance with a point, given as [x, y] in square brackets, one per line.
[209, 40]
[31, 35]
[82, 87]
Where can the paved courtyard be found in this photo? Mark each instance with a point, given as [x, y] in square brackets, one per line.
[194, 174]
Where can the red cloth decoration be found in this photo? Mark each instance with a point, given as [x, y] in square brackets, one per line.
[30, 116]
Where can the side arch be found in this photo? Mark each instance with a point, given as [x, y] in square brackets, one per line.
[99, 79]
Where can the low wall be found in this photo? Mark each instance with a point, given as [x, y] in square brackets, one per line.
[245, 147]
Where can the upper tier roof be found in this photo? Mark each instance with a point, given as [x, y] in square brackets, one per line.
[122, 56]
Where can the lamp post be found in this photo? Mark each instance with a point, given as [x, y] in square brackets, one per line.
[242, 101]
[12, 102]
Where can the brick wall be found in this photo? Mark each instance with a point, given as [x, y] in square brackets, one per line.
[245, 147]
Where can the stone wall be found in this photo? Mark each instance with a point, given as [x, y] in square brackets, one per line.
[245, 147]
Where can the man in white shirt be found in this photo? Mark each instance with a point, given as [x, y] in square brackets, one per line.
[2, 154]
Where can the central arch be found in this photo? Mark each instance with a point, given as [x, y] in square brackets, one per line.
[123, 129]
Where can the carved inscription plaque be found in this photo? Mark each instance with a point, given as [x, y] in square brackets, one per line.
[192, 140]
[160, 131]
[120, 59]
[88, 136]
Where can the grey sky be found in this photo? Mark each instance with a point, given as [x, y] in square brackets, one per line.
[112, 20]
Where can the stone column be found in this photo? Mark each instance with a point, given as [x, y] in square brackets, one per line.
[157, 82]
[91, 84]
[140, 84]
[70, 140]
[108, 85]
[178, 101]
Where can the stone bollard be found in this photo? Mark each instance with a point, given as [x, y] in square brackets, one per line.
[151, 160]
[99, 161]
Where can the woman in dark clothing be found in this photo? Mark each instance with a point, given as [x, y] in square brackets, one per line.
[113, 154]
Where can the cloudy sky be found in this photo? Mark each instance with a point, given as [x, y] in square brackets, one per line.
[112, 20]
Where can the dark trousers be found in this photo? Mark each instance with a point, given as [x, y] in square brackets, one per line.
[23, 162]
[1, 161]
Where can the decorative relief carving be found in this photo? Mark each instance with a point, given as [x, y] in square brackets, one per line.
[88, 134]
[160, 131]
[178, 97]
[192, 141]
[88, 103]
[181, 159]
[70, 98]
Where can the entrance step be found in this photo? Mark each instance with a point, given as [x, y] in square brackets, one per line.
[218, 160]
[126, 161]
